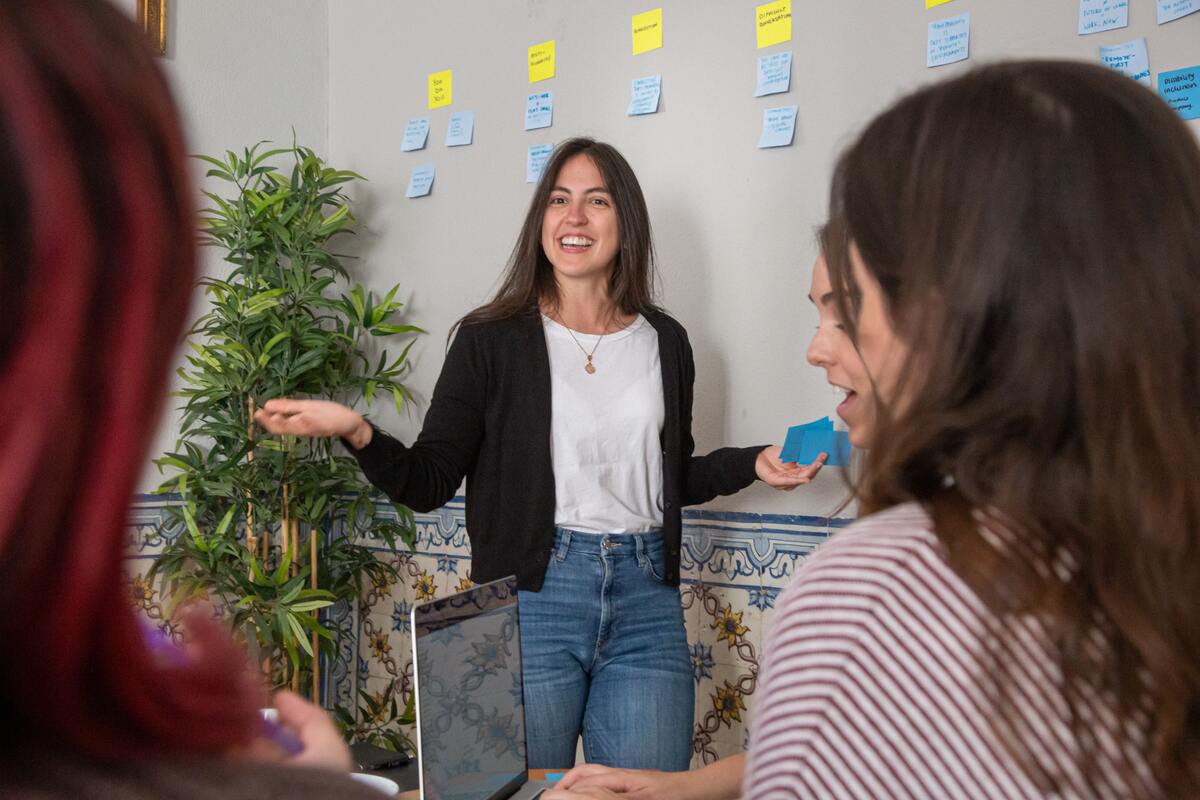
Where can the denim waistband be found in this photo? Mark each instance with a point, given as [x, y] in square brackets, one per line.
[566, 539]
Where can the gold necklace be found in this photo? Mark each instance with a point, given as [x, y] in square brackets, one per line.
[589, 367]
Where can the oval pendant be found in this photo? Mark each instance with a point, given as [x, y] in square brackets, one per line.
[590, 369]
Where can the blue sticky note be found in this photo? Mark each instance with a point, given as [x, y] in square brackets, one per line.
[421, 181]
[949, 40]
[1130, 59]
[774, 74]
[805, 442]
[1181, 89]
[779, 126]
[1102, 15]
[461, 128]
[415, 134]
[643, 99]
[535, 161]
[555, 777]
[539, 110]
[1169, 10]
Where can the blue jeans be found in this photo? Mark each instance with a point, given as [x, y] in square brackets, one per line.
[605, 652]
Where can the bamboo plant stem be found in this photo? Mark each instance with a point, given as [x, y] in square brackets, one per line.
[251, 535]
[316, 662]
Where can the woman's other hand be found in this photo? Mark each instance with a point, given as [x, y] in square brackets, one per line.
[785, 475]
[596, 782]
[314, 418]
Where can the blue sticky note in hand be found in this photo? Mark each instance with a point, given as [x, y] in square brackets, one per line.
[415, 134]
[774, 74]
[461, 128]
[805, 442]
[643, 99]
[536, 160]
[1180, 88]
[779, 126]
[555, 777]
[539, 110]
[421, 181]
[949, 40]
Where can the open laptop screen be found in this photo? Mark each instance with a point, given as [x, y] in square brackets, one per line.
[470, 706]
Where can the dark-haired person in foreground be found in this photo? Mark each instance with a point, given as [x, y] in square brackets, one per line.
[97, 261]
[566, 402]
[1015, 254]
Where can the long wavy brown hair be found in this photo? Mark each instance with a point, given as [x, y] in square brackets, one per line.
[1035, 230]
[528, 279]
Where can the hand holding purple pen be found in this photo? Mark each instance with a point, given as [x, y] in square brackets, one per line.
[303, 731]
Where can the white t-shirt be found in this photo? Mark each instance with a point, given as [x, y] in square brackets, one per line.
[606, 428]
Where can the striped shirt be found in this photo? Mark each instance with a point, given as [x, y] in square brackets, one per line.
[871, 684]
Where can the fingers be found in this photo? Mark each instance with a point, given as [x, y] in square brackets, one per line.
[323, 744]
[582, 771]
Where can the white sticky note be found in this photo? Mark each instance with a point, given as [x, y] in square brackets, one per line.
[779, 126]
[949, 40]
[774, 74]
[415, 134]
[1170, 10]
[1102, 15]
[461, 129]
[420, 183]
[1130, 58]
[539, 110]
[535, 161]
[643, 98]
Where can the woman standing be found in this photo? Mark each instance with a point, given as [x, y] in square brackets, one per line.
[566, 402]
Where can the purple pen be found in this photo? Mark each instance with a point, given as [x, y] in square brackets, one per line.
[162, 647]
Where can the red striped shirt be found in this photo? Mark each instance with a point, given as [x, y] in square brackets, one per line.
[871, 684]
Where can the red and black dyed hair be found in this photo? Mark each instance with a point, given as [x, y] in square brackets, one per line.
[97, 261]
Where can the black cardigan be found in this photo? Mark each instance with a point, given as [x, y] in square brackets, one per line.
[489, 420]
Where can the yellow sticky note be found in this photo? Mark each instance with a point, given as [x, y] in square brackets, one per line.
[541, 61]
[774, 23]
[647, 31]
[439, 88]
[935, 3]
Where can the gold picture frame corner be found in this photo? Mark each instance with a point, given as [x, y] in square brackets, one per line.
[152, 19]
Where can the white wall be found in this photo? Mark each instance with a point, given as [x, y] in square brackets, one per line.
[241, 72]
[733, 224]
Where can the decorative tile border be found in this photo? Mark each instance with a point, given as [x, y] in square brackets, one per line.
[733, 566]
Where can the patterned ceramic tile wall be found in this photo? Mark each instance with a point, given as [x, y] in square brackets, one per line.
[733, 567]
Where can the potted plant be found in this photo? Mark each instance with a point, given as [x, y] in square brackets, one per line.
[269, 528]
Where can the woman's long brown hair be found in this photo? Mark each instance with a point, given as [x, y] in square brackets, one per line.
[529, 277]
[1035, 230]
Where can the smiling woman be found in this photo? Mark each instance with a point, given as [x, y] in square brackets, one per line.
[566, 402]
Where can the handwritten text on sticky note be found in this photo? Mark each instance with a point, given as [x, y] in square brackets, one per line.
[779, 126]
[415, 134]
[773, 23]
[539, 110]
[535, 161]
[440, 85]
[647, 31]
[1102, 15]
[541, 61]
[949, 40]
[1180, 88]
[1130, 58]
[774, 74]
[461, 129]
[643, 98]
[1170, 10]
[421, 181]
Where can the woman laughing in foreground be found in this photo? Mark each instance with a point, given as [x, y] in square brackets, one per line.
[1014, 615]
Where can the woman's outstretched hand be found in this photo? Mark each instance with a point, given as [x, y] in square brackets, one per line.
[785, 475]
[314, 418]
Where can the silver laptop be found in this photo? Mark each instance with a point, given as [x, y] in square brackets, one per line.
[470, 704]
